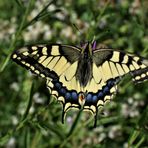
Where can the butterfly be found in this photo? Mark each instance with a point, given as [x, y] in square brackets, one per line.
[83, 77]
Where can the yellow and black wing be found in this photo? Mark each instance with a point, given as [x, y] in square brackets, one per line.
[58, 64]
[109, 66]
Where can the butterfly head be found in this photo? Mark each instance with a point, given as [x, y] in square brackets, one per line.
[87, 49]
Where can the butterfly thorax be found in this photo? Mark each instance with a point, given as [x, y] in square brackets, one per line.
[84, 70]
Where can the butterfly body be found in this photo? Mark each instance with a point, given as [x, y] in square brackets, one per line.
[84, 70]
[81, 77]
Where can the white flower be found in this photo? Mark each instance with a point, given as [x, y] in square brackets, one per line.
[7, 29]
[130, 100]
[68, 33]
[125, 110]
[99, 129]
[101, 137]
[14, 86]
[31, 110]
[14, 120]
[69, 120]
[37, 98]
[52, 7]
[37, 29]
[114, 132]
[11, 143]
[21, 109]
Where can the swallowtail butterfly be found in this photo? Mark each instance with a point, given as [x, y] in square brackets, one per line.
[81, 77]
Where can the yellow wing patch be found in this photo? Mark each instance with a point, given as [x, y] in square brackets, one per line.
[106, 71]
[71, 71]
[55, 50]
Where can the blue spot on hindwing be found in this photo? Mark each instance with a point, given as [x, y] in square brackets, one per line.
[62, 91]
[106, 90]
[89, 97]
[111, 83]
[100, 95]
[68, 95]
[94, 98]
[58, 85]
[74, 95]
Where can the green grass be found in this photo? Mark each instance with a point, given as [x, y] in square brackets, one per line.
[25, 122]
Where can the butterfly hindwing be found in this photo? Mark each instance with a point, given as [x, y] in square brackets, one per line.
[69, 99]
[93, 101]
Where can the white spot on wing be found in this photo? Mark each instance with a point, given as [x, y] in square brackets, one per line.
[44, 50]
[14, 56]
[34, 48]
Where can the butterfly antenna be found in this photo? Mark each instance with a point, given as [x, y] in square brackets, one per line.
[83, 41]
[94, 39]
[76, 28]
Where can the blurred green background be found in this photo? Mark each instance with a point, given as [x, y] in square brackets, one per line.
[29, 117]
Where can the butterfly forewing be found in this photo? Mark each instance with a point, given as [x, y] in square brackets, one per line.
[42, 59]
[118, 63]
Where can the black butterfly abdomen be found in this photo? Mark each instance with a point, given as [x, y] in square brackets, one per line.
[84, 70]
